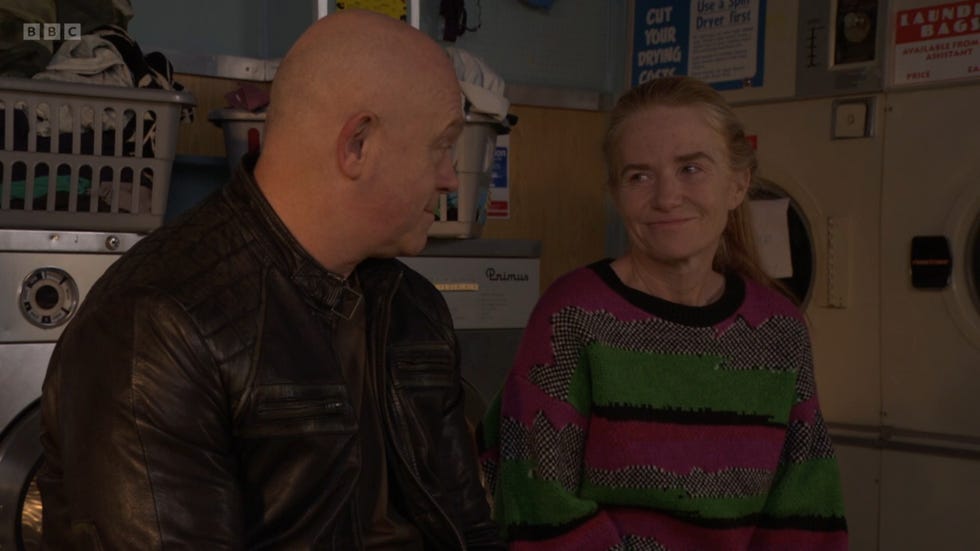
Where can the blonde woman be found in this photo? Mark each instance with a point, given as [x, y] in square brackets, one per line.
[666, 399]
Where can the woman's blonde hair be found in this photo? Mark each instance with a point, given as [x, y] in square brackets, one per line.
[737, 252]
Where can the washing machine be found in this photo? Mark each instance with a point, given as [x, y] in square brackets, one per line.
[825, 167]
[833, 187]
[930, 304]
[44, 277]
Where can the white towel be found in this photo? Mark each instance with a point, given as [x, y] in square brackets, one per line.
[483, 87]
[90, 60]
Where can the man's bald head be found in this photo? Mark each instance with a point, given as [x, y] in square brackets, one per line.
[351, 61]
[364, 114]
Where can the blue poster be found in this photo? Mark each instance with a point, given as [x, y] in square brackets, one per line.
[718, 41]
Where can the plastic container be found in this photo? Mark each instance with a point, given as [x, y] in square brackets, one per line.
[84, 156]
[463, 213]
[244, 132]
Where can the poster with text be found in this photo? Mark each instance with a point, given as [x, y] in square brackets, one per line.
[499, 206]
[718, 41]
[936, 42]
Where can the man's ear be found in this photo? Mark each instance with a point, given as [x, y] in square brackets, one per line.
[351, 143]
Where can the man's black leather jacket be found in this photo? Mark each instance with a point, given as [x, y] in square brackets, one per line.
[196, 401]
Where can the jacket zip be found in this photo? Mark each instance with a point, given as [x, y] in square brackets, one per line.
[381, 360]
[298, 409]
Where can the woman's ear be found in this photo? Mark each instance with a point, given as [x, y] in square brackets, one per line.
[741, 180]
[352, 143]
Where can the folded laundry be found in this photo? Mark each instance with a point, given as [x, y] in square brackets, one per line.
[248, 97]
[65, 141]
[107, 56]
[472, 69]
[111, 196]
[482, 86]
[18, 188]
[91, 59]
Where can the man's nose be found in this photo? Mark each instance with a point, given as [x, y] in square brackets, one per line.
[447, 179]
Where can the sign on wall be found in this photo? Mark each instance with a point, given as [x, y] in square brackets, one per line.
[936, 42]
[718, 41]
[499, 207]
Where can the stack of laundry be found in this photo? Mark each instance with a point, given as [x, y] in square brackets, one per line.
[105, 55]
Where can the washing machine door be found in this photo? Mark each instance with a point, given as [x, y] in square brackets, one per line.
[799, 280]
[20, 500]
[973, 272]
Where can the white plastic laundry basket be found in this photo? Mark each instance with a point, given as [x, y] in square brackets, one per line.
[86, 157]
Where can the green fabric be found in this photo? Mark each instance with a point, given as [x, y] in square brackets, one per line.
[794, 496]
[580, 387]
[687, 382]
[676, 500]
[491, 423]
[531, 501]
[18, 188]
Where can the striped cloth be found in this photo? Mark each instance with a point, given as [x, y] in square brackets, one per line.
[629, 422]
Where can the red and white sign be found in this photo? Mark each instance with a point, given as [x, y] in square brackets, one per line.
[937, 42]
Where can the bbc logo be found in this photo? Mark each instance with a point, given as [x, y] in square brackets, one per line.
[52, 31]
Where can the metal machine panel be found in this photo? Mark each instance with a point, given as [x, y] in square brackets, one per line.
[860, 478]
[929, 502]
[491, 286]
[44, 278]
[840, 47]
[484, 293]
[931, 337]
[836, 186]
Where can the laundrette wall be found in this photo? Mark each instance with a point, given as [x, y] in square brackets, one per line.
[556, 176]
[561, 66]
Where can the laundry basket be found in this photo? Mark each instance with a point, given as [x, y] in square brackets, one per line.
[85, 157]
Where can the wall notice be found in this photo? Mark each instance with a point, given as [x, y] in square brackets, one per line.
[937, 42]
[499, 201]
[718, 41]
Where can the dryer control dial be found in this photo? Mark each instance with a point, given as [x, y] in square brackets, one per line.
[48, 297]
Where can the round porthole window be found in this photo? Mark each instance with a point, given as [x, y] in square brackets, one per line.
[20, 500]
[48, 297]
[800, 282]
[973, 266]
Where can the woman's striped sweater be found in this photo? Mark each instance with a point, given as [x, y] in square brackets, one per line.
[629, 422]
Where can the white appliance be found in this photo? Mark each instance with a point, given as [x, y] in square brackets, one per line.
[930, 337]
[490, 286]
[834, 186]
[44, 277]
[898, 366]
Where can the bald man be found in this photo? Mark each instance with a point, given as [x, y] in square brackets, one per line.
[261, 373]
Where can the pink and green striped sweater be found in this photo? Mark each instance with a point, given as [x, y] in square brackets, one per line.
[629, 422]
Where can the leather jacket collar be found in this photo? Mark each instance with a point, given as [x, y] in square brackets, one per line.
[323, 289]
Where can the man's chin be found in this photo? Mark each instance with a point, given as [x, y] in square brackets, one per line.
[413, 245]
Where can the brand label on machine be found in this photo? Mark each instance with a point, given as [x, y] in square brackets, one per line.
[483, 293]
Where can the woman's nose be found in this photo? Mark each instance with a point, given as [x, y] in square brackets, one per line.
[666, 193]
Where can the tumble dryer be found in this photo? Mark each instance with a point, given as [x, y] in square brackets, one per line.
[833, 184]
[44, 277]
[930, 330]
[834, 190]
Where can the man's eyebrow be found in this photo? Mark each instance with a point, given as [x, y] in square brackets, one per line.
[456, 124]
